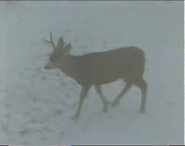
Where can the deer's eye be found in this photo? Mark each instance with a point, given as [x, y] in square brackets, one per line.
[52, 59]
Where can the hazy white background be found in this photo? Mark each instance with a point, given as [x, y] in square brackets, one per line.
[36, 104]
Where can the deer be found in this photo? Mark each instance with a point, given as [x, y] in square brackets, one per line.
[99, 68]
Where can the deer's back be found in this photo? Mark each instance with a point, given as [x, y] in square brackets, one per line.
[105, 67]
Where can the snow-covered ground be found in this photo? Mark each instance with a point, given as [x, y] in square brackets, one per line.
[36, 104]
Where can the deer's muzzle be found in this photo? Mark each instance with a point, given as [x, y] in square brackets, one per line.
[47, 67]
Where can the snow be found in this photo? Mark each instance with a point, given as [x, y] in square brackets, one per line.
[37, 104]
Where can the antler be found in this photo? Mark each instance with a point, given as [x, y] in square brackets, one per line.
[51, 41]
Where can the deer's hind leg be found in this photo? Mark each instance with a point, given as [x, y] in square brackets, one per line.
[122, 93]
[102, 98]
[143, 87]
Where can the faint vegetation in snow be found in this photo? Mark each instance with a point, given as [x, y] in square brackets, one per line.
[36, 105]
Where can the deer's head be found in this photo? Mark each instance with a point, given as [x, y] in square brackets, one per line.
[60, 51]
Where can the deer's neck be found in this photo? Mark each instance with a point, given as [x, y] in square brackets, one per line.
[70, 66]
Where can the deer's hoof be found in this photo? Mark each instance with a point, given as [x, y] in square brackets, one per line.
[115, 103]
[75, 117]
[141, 111]
[105, 109]
[108, 102]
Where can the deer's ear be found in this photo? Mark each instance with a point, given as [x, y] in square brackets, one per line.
[60, 43]
[67, 49]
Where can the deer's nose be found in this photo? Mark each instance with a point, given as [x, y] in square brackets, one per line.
[46, 67]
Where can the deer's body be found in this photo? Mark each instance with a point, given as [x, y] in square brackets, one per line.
[105, 67]
[95, 69]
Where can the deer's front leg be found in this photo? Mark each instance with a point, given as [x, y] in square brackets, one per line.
[83, 94]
